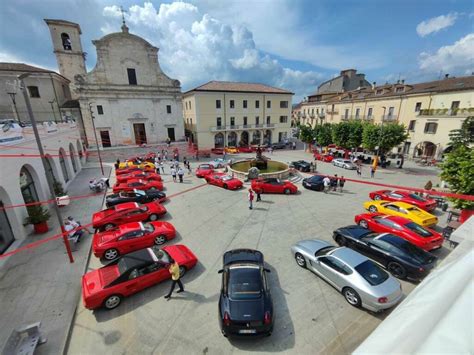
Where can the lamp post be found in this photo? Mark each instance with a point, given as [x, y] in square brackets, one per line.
[43, 160]
[52, 109]
[12, 96]
[96, 142]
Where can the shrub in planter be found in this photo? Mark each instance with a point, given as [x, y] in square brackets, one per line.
[38, 217]
[58, 189]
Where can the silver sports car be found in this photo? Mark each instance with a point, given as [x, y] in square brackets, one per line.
[344, 163]
[359, 279]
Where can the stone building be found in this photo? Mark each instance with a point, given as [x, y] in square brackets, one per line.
[131, 99]
[347, 80]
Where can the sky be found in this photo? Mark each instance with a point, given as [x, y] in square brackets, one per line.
[292, 44]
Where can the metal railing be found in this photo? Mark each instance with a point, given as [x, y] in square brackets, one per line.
[389, 117]
[461, 112]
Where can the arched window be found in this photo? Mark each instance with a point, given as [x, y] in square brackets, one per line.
[219, 140]
[49, 167]
[73, 157]
[27, 186]
[62, 162]
[232, 139]
[66, 42]
[256, 137]
[79, 149]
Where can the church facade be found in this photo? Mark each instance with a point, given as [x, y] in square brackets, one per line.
[126, 98]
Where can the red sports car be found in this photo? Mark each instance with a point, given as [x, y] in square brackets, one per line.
[217, 151]
[404, 196]
[246, 149]
[204, 170]
[422, 237]
[127, 212]
[130, 237]
[225, 181]
[139, 175]
[106, 287]
[132, 169]
[138, 184]
[323, 157]
[273, 185]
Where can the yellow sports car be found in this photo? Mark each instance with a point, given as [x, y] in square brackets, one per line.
[131, 164]
[402, 209]
[231, 150]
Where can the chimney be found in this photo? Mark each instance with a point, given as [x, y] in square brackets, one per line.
[373, 85]
[446, 76]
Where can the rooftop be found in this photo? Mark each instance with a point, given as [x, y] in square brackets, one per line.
[26, 68]
[230, 86]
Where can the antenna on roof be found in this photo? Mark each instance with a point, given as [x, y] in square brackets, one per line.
[124, 26]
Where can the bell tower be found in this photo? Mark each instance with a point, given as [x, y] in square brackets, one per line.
[67, 47]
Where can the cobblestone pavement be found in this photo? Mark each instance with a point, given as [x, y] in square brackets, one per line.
[311, 316]
[40, 284]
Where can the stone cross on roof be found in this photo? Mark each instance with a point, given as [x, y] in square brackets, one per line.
[124, 26]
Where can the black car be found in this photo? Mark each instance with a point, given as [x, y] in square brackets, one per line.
[314, 182]
[301, 165]
[245, 303]
[134, 196]
[279, 145]
[397, 255]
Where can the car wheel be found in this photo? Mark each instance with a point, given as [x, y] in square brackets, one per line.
[377, 197]
[111, 254]
[300, 260]
[225, 186]
[372, 209]
[182, 270]
[112, 302]
[287, 191]
[397, 270]
[351, 296]
[153, 217]
[341, 241]
[363, 223]
[109, 226]
[160, 239]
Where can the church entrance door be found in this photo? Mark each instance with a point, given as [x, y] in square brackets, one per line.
[105, 138]
[171, 134]
[140, 133]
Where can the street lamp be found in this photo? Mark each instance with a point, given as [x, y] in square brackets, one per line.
[96, 142]
[12, 96]
[52, 109]
[49, 178]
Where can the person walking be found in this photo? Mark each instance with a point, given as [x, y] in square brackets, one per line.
[259, 197]
[359, 170]
[342, 181]
[168, 142]
[270, 150]
[162, 166]
[372, 171]
[117, 164]
[250, 198]
[311, 165]
[180, 174]
[173, 173]
[188, 166]
[326, 183]
[334, 181]
[294, 145]
[173, 269]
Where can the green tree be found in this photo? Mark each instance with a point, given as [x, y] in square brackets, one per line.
[464, 135]
[348, 134]
[324, 134]
[306, 134]
[386, 136]
[458, 172]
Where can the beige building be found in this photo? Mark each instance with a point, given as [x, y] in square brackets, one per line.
[429, 110]
[220, 114]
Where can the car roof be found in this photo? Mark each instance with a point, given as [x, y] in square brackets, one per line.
[355, 230]
[243, 255]
[138, 258]
[128, 227]
[126, 206]
[402, 204]
[349, 256]
[397, 219]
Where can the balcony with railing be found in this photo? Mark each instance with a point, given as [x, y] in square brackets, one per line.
[269, 125]
[389, 118]
[459, 112]
[217, 128]
[232, 127]
[330, 112]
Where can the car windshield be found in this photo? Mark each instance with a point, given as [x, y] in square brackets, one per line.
[413, 209]
[371, 273]
[347, 162]
[122, 266]
[148, 227]
[316, 178]
[144, 208]
[162, 256]
[412, 250]
[416, 197]
[324, 251]
[226, 178]
[204, 166]
[422, 232]
[244, 282]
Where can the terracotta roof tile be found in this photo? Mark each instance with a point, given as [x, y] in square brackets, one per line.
[231, 86]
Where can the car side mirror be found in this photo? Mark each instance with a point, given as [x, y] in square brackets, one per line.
[220, 271]
[266, 270]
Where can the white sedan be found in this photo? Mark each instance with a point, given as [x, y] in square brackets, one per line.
[344, 163]
[218, 163]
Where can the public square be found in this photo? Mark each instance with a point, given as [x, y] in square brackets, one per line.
[310, 315]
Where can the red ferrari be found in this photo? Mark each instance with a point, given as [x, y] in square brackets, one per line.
[132, 169]
[139, 175]
[130, 237]
[106, 287]
[246, 149]
[138, 184]
[404, 196]
[422, 237]
[127, 212]
[204, 170]
[323, 157]
[225, 181]
[274, 186]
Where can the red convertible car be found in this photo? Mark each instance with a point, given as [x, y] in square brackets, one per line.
[323, 157]
[127, 212]
[422, 237]
[204, 170]
[274, 186]
[138, 184]
[225, 181]
[139, 175]
[132, 169]
[404, 196]
[106, 287]
[129, 237]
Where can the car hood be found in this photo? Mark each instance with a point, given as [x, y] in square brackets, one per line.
[247, 310]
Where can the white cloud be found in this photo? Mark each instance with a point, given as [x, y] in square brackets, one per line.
[6, 57]
[197, 48]
[436, 24]
[458, 57]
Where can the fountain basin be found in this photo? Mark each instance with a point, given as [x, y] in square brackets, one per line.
[275, 169]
